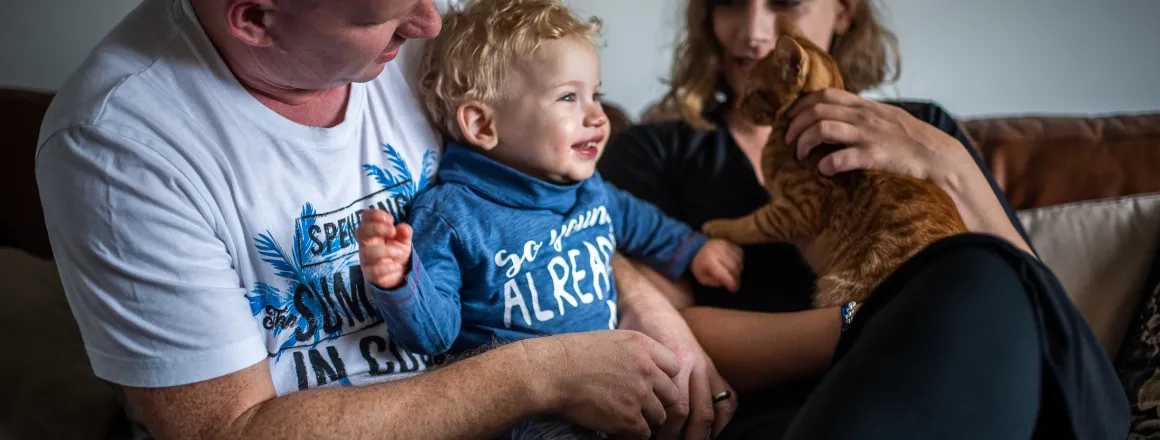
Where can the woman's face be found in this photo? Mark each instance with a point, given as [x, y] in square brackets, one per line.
[746, 29]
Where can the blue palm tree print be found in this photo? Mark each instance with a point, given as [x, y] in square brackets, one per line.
[281, 314]
[398, 173]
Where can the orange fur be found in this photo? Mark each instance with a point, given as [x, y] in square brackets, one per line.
[854, 228]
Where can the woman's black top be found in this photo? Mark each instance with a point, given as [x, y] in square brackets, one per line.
[696, 176]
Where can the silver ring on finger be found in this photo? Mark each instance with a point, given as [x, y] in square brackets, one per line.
[722, 396]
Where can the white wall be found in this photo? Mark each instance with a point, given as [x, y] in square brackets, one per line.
[43, 41]
[976, 57]
[981, 57]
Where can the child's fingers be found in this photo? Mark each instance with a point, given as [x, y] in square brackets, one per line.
[733, 265]
[398, 250]
[725, 276]
[385, 276]
[368, 231]
[377, 215]
[378, 252]
[403, 233]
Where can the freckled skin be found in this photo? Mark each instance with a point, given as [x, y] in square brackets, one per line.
[854, 228]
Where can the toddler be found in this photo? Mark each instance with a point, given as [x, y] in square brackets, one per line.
[517, 238]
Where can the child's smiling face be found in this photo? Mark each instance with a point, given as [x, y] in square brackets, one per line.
[550, 124]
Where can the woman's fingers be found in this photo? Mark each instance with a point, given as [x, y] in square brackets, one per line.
[830, 96]
[820, 112]
[849, 159]
[828, 131]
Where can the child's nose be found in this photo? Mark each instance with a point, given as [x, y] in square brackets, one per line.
[596, 116]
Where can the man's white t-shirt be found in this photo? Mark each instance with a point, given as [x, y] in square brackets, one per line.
[197, 232]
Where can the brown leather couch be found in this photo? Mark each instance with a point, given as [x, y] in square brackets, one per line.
[1042, 162]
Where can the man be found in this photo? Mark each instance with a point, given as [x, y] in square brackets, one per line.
[202, 175]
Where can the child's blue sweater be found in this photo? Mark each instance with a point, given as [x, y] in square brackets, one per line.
[501, 256]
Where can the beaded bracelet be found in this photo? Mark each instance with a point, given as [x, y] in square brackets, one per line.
[848, 314]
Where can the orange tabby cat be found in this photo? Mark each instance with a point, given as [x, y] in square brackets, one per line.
[854, 228]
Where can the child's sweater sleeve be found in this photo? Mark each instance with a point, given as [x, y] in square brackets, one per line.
[423, 314]
[643, 231]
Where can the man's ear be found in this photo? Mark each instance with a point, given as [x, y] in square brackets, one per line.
[250, 20]
[845, 15]
[477, 122]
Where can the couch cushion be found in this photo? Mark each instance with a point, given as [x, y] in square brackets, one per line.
[49, 388]
[1100, 251]
[1043, 161]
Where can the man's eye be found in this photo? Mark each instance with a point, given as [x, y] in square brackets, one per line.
[569, 97]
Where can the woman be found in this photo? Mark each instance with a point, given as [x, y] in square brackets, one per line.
[972, 338]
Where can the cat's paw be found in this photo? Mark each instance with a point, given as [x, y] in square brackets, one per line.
[719, 229]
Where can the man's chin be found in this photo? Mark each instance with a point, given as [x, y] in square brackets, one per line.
[373, 71]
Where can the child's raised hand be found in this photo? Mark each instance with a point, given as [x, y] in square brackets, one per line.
[719, 264]
[384, 249]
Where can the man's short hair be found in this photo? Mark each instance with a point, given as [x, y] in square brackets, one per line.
[479, 44]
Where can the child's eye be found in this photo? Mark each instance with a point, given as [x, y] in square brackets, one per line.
[597, 96]
[569, 97]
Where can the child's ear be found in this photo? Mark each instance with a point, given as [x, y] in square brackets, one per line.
[477, 122]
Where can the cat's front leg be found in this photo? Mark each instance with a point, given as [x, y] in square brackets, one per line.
[765, 225]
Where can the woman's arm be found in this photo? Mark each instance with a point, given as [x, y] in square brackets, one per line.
[754, 350]
[751, 350]
[888, 138]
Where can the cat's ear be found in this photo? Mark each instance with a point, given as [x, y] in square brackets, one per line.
[788, 54]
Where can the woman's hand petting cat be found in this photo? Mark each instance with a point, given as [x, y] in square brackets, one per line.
[887, 138]
[884, 137]
[719, 264]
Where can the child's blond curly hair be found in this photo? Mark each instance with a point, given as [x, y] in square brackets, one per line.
[480, 42]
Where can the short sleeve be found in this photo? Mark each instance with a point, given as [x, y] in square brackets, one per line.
[150, 283]
[638, 160]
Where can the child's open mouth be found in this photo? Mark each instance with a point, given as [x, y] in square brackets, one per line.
[588, 149]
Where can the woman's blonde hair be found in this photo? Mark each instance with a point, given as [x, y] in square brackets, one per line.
[867, 56]
[480, 43]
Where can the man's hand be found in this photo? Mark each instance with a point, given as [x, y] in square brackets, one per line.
[719, 264]
[384, 250]
[614, 381]
[646, 309]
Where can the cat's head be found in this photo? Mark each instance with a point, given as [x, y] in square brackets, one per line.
[794, 67]
[775, 82]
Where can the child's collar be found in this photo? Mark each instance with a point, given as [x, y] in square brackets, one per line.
[502, 184]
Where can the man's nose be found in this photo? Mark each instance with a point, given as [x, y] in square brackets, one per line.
[422, 22]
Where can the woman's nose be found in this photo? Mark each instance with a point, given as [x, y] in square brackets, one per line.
[758, 26]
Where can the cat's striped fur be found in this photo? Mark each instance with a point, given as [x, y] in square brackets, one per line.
[854, 228]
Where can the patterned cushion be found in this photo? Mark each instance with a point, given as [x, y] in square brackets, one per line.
[1138, 364]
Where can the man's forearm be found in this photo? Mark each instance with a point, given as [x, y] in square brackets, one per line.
[474, 398]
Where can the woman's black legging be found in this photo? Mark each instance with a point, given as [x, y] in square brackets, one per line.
[949, 349]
